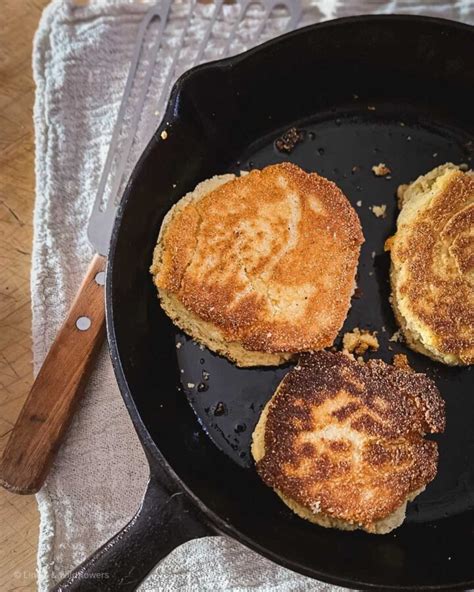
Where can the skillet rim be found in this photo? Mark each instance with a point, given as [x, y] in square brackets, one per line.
[153, 453]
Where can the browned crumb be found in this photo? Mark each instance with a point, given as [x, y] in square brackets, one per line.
[164, 135]
[219, 409]
[388, 243]
[357, 293]
[397, 336]
[355, 169]
[381, 169]
[357, 341]
[401, 361]
[287, 141]
[379, 211]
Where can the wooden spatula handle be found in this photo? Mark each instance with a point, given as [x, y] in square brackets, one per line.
[50, 405]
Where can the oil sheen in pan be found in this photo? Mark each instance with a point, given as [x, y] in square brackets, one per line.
[343, 146]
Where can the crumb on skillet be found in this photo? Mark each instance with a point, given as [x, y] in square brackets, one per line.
[381, 169]
[397, 336]
[401, 361]
[379, 211]
[287, 141]
[359, 341]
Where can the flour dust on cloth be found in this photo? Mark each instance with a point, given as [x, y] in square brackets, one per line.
[80, 61]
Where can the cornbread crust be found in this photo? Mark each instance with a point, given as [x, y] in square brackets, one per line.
[432, 269]
[260, 267]
[342, 443]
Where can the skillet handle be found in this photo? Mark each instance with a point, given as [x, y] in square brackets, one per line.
[164, 521]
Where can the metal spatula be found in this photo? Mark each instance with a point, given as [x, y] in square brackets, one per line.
[49, 407]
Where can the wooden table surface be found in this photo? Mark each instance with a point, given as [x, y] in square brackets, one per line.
[18, 514]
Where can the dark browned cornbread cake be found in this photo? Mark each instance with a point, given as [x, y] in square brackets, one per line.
[342, 442]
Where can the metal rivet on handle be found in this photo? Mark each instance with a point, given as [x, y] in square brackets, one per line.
[100, 278]
[83, 323]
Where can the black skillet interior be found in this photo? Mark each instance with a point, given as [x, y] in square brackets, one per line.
[365, 90]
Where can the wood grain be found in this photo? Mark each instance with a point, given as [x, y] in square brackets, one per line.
[18, 514]
[49, 407]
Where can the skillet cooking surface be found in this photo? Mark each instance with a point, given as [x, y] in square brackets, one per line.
[228, 400]
[418, 73]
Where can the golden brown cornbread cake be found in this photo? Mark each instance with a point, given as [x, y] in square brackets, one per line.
[432, 271]
[260, 267]
[342, 442]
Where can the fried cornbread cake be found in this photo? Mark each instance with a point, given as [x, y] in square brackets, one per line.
[259, 267]
[342, 442]
[432, 270]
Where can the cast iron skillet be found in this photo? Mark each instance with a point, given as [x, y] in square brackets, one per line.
[393, 89]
